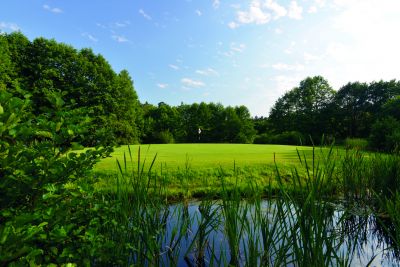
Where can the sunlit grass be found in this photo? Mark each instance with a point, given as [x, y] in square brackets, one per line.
[205, 156]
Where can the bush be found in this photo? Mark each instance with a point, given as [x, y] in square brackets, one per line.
[264, 138]
[385, 135]
[48, 212]
[355, 143]
[163, 137]
[285, 138]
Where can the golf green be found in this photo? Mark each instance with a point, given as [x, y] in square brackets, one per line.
[200, 156]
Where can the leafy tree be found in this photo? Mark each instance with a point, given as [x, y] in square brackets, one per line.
[359, 105]
[127, 114]
[83, 79]
[392, 108]
[302, 108]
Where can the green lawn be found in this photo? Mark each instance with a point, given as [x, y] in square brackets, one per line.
[195, 169]
[205, 156]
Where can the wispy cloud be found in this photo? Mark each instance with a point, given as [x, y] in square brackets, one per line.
[9, 26]
[234, 48]
[198, 12]
[208, 72]
[290, 49]
[288, 67]
[192, 83]
[310, 57]
[122, 24]
[52, 9]
[295, 11]
[237, 47]
[90, 37]
[233, 25]
[119, 38]
[144, 14]
[284, 82]
[216, 4]
[172, 66]
[162, 85]
[312, 9]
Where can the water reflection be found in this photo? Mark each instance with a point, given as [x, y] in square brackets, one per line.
[274, 233]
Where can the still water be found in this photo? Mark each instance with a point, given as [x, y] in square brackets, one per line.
[197, 234]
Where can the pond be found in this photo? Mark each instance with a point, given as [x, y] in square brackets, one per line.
[274, 232]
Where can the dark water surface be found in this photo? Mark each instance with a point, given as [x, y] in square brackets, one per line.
[359, 237]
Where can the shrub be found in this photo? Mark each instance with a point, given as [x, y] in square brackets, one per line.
[385, 134]
[163, 137]
[48, 214]
[264, 138]
[356, 143]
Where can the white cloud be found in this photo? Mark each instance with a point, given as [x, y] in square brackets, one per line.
[144, 14]
[198, 12]
[262, 11]
[52, 9]
[233, 25]
[290, 49]
[278, 31]
[234, 49]
[279, 10]
[312, 9]
[288, 67]
[216, 4]
[208, 72]
[172, 66]
[90, 37]
[122, 24]
[9, 26]
[162, 85]
[284, 83]
[237, 47]
[320, 3]
[310, 57]
[255, 14]
[119, 38]
[295, 11]
[369, 47]
[192, 83]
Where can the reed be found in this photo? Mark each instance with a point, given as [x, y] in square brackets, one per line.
[302, 222]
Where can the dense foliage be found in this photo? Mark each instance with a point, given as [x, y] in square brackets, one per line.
[47, 71]
[357, 110]
[217, 124]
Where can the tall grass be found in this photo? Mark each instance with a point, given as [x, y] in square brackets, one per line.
[303, 222]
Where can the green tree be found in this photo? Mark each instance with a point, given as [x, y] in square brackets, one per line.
[303, 108]
[43, 68]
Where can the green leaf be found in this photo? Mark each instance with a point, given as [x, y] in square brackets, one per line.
[4, 234]
[58, 126]
[45, 134]
[1, 109]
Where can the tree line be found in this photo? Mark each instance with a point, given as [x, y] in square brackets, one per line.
[56, 77]
[357, 110]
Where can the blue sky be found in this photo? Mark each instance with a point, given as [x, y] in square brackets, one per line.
[234, 52]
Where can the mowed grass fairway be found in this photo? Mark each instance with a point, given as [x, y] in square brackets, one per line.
[205, 156]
